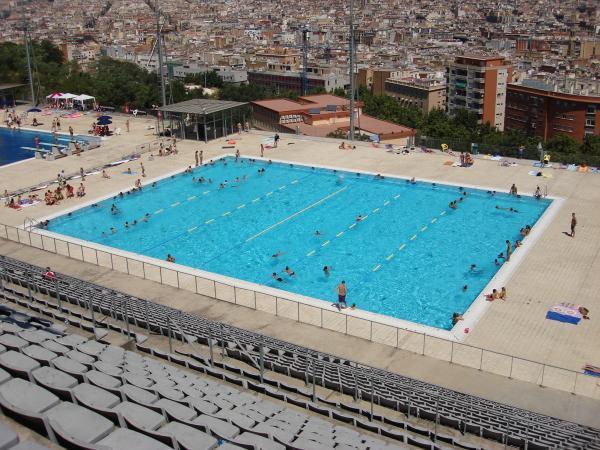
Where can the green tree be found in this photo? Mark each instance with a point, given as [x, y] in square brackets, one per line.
[562, 144]
[591, 145]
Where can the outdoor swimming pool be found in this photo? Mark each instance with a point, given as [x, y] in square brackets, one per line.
[12, 140]
[409, 257]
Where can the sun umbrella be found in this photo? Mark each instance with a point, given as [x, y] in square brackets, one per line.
[104, 118]
[33, 110]
[55, 95]
[104, 122]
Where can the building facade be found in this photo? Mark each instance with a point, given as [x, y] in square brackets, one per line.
[546, 113]
[478, 84]
[423, 94]
[276, 81]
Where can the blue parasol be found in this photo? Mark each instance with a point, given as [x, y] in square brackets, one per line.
[104, 118]
[34, 110]
[104, 121]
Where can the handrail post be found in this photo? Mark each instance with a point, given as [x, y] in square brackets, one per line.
[28, 278]
[512, 359]
[169, 334]
[543, 371]
[210, 345]
[57, 294]
[481, 361]
[261, 358]
[423, 354]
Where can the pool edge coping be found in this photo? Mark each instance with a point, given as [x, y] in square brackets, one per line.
[457, 333]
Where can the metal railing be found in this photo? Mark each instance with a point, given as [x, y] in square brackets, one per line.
[512, 367]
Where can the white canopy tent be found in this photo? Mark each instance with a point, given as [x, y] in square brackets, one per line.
[67, 96]
[82, 98]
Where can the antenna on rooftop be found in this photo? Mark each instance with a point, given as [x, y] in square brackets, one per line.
[305, 60]
[351, 69]
[160, 56]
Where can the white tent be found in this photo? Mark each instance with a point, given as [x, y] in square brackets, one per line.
[82, 98]
[67, 96]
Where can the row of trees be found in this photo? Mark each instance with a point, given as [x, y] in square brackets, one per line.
[462, 129]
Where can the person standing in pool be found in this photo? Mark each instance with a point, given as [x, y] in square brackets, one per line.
[342, 291]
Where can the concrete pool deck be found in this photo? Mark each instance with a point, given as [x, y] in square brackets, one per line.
[557, 269]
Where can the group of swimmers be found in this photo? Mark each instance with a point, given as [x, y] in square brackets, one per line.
[454, 203]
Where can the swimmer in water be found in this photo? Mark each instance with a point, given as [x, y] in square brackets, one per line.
[113, 209]
[465, 287]
[146, 217]
[126, 224]
[473, 268]
[412, 180]
[289, 271]
[318, 233]
[113, 230]
[359, 218]
[104, 234]
[326, 270]
[276, 278]
[277, 254]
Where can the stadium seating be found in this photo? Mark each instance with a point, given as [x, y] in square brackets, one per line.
[468, 414]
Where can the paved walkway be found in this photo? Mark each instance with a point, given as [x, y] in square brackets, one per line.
[557, 268]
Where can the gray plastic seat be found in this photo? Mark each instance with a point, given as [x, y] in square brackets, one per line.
[176, 410]
[138, 395]
[188, 437]
[139, 417]
[259, 442]
[95, 397]
[9, 327]
[137, 380]
[108, 368]
[36, 336]
[29, 445]
[20, 395]
[8, 438]
[18, 364]
[129, 439]
[55, 347]
[305, 444]
[54, 380]
[92, 348]
[4, 376]
[102, 380]
[71, 340]
[69, 366]
[12, 342]
[201, 406]
[77, 424]
[219, 427]
[40, 354]
[81, 357]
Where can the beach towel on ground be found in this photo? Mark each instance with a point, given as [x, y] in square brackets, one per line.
[564, 312]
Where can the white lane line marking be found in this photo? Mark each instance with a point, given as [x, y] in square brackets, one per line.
[396, 197]
[191, 229]
[191, 198]
[442, 213]
[424, 228]
[294, 182]
[158, 211]
[243, 205]
[256, 199]
[375, 210]
[402, 247]
[387, 202]
[351, 226]
[226, 213]
[339, 234]
[311, 253]
[173, 205]
[318, 202]
[209, 221]
[281, 187]
[413, 238]
[269, 193]
[434, 220]
[325, 243]
[205, 192]
[376, 268]
[390, 256]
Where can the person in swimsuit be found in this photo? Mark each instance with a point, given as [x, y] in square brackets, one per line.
[277, 278]
[342, 291]
[289, 271]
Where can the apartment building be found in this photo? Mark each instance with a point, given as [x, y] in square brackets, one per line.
[425, 94]
[478, 84]
[538, 110]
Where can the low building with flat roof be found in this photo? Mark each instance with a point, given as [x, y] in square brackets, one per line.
[424, 94]
[322, 115]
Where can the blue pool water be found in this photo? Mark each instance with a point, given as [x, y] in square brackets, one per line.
[409, 258]
[12, 140]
